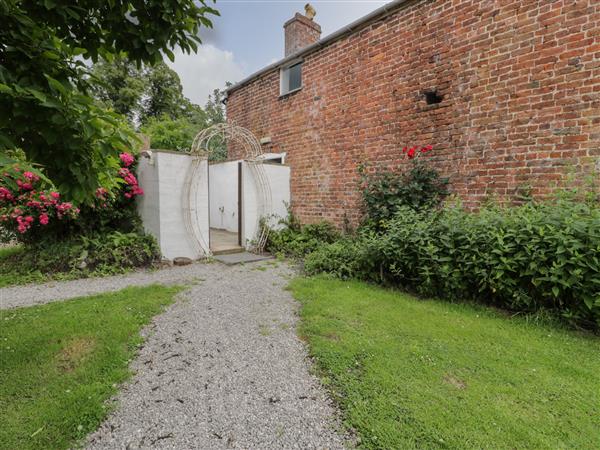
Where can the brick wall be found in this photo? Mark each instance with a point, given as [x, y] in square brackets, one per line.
[520, 82]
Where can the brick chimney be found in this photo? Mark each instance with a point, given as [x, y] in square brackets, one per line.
[301, 31]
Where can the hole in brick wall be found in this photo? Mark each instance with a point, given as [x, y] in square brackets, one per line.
[432, 97]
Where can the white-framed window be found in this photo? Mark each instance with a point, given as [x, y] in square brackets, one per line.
[291, 78]
[274, 158]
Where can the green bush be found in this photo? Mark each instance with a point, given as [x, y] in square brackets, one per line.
[103, 254]
[6, 236]
[346, 258]
[533, 257]
[299, 240]
[384, 192]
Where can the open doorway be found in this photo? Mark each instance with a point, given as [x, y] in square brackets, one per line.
[225, 214]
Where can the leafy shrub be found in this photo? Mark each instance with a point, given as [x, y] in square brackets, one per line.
[385, 192]
[6, 236]
[29, 202]
[533, 257]
[346, 258]
[300, 240]
[32, 210]
[102, 254]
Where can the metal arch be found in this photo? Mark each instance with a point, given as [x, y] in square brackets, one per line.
[200, 151]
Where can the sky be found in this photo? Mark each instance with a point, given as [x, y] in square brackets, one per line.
[248, 35]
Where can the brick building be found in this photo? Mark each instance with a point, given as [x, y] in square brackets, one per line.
[507, 92]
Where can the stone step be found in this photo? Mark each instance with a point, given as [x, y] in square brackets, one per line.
[228, 251]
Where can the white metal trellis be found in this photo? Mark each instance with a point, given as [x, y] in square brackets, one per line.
[200, 152]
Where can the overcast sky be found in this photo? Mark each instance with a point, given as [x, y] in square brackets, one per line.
[249, 35]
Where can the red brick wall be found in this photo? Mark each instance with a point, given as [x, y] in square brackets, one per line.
[521, 88]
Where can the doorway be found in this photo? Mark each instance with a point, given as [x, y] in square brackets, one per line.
[225, 210]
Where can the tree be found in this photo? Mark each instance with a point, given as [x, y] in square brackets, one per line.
[164, 96]
[141, 94]
[215, 107]
[119, 85]
[45, 106]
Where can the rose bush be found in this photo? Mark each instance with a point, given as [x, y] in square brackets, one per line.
[415, 185]
[26, 202]
[33, 209]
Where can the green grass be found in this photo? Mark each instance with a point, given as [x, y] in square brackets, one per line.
[412, 373]
[60, 362]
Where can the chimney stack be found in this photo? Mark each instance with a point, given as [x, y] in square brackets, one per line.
[301, 31]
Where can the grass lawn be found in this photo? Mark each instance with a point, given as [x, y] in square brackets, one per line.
[59, 362]
[410, 373]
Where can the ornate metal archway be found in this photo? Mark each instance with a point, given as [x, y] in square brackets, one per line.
[196, 178]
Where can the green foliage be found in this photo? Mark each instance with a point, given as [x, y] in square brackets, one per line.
[164, 95]
[423, 374]
[61, 363]
[215, 108]
[527, 258]
[385, 192]
[346, 258]
[119, 85]
[297, 240]
[6, 235]
[166, 133]
[45, 108]
[111, 211]
[102, 254]
[169, 133]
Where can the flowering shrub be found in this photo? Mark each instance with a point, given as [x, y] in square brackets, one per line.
[385, 192]
[29, 205]
[26, 205]
[132, 188]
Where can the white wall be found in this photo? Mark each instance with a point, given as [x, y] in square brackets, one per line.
[163, 206]
[223, 193]
[163, 203]
[278, 177]
[149, 204]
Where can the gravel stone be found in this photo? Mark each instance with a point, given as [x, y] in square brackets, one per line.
[221, 368]
[37, 294]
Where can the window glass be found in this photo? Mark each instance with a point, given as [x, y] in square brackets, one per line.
[295, 77]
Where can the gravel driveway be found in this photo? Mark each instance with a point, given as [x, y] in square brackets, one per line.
[221, 368]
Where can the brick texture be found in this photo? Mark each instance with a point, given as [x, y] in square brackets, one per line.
[300, 32]
[520, 82]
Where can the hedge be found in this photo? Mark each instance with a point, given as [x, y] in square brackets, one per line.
[543, 256]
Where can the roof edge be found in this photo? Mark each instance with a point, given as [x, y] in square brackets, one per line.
[329, 39]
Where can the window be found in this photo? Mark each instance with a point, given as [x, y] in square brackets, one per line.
[291, 78]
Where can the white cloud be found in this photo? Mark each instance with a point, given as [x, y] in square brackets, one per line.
[202, 72]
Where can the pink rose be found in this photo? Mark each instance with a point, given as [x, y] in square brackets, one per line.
[126, 159]
[44, 219]
[31, 176]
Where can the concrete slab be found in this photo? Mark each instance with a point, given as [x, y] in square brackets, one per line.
[239, 258]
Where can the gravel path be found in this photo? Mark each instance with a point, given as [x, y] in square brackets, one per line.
[221, 368]
[37, 294]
